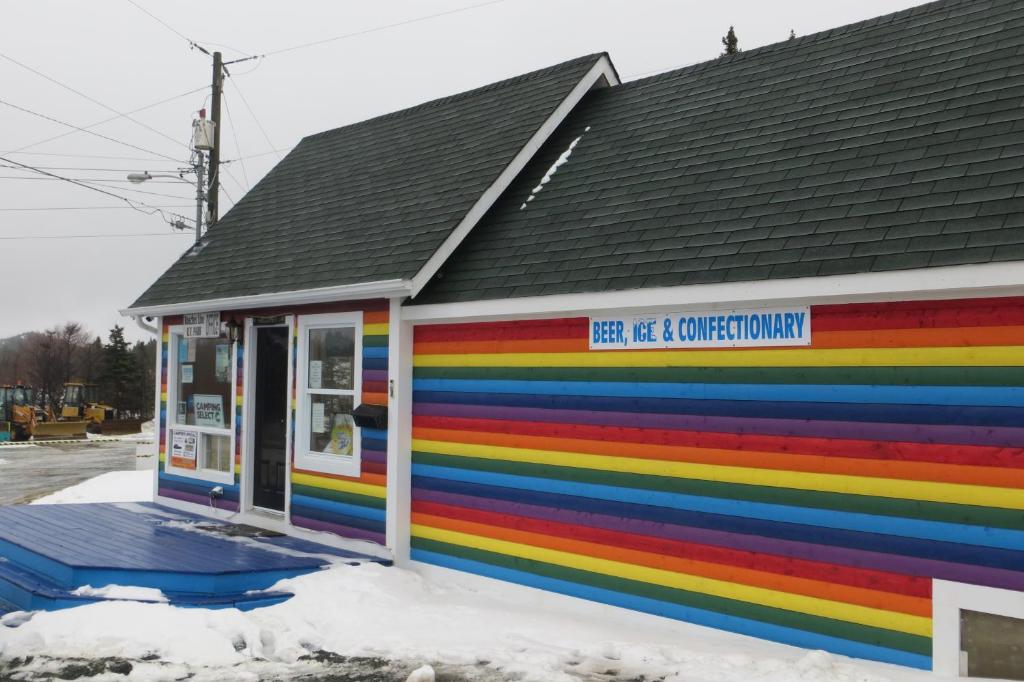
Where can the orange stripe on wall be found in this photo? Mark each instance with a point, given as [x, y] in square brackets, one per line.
[367, 478]
[878, 468]
[375, 316]
[773, 581]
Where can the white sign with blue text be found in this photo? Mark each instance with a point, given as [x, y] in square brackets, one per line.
[789, 326]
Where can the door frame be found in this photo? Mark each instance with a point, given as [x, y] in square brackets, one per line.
[248, 418]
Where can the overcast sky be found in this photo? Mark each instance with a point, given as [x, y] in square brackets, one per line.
[122, 60]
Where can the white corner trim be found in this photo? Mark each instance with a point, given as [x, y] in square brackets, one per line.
[966, 281]
[948, 598]
[602, 69]
[346, 292]
[399, 453]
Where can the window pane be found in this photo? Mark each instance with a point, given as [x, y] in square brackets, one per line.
[203, 382]
[217, 452]
[330, 424]
[331, 358]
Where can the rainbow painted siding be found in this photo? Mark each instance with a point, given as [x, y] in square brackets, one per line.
[352, 507]
[193, 489]
[806, 495]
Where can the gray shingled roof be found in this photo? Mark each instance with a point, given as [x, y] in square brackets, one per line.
[891, 144]
[370, 201]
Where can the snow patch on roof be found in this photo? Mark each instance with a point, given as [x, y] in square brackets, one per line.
[553, 169]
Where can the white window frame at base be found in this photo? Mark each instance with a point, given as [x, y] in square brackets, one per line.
[948, 599]
[199, 473]
[319, 462]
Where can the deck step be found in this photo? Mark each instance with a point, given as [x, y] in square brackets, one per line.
[23, 590]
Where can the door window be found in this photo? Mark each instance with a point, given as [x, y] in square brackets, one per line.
[330, 352]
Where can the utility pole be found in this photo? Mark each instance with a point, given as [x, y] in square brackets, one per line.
[199, 195]
[216, 89]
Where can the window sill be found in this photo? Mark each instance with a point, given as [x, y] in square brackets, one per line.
[203, 475]
[334, 465]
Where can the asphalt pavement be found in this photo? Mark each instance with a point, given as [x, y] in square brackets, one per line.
[31, 471]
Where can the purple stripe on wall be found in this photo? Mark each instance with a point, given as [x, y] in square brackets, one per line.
[375, 375]
[892, 563]
[374, 456]
[226, 505]
[909, 433]
[337, 529]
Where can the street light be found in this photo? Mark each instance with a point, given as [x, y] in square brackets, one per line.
[139, 178]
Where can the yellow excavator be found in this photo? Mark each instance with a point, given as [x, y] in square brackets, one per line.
[81, 402]
[24, 420]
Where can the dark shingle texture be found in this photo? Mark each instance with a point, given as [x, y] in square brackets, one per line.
[892, 144]
[370, 201]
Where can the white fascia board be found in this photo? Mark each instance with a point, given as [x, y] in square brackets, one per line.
[960, 281]
[602, 69]
[347, 292]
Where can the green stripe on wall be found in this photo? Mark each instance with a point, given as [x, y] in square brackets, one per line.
[886, 506]
[375, 341]
[826, 626]
[338, 496]
[869, 376]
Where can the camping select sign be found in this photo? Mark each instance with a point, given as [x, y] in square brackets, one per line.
[202, 326]
[790, 326]
[209, 410]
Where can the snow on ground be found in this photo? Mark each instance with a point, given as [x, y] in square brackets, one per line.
[115, 486]
[122, 592]
[486, 631]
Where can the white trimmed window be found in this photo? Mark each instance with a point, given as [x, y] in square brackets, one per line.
[329, 385]
[200, 407]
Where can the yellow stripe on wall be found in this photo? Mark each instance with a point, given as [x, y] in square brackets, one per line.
[339, 485]
[863, 615]
[378, 329]
[929, 491]
[976, 356]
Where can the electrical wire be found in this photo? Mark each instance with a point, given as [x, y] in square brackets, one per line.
[255, 156]
[90, 156]
[375, 29]
[238, 148]
[84, 208]
[82, 168]
[99, 236]
[253, 114]
[134, 203]
[108, 120]
[90, 180]
[91, 99]
[85, 130]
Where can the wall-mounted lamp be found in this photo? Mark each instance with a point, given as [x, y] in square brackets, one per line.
[234, 330]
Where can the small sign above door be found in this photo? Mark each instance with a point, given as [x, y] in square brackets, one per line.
[202, 326]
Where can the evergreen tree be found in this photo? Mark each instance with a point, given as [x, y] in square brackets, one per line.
[120, 373]
[792, 34]
[731, 42]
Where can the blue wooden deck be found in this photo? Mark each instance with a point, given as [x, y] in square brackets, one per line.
[48, 551]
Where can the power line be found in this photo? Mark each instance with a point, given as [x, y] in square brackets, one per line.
[238, 148]
[256, 156]
[367, 31]
[92, 156]
[253, 114]
[85, 130]
[134, 203]
[91, 99]
[81, 168]
[91, 180]
[98, 236]
[85, 208]
[108, 120]
[160, 21]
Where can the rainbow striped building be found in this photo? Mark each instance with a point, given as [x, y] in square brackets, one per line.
[740, 344]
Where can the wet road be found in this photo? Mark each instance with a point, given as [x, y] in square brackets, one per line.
[33, 471]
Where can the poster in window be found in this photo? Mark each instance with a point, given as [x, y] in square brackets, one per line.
[316, 373]
[187, 374]
[182, 415]
[209, 410]
[222, 368]
[184, 445]
[182, 350]
[341, 436]
[318, 420]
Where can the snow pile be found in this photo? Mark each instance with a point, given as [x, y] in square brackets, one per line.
[122, 592]
[3, 461]
[116, 486]
[375, 611]
[554, 168]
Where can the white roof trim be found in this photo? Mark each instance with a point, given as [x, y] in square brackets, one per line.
[346, 292]
[602, 69]
[959, 281]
